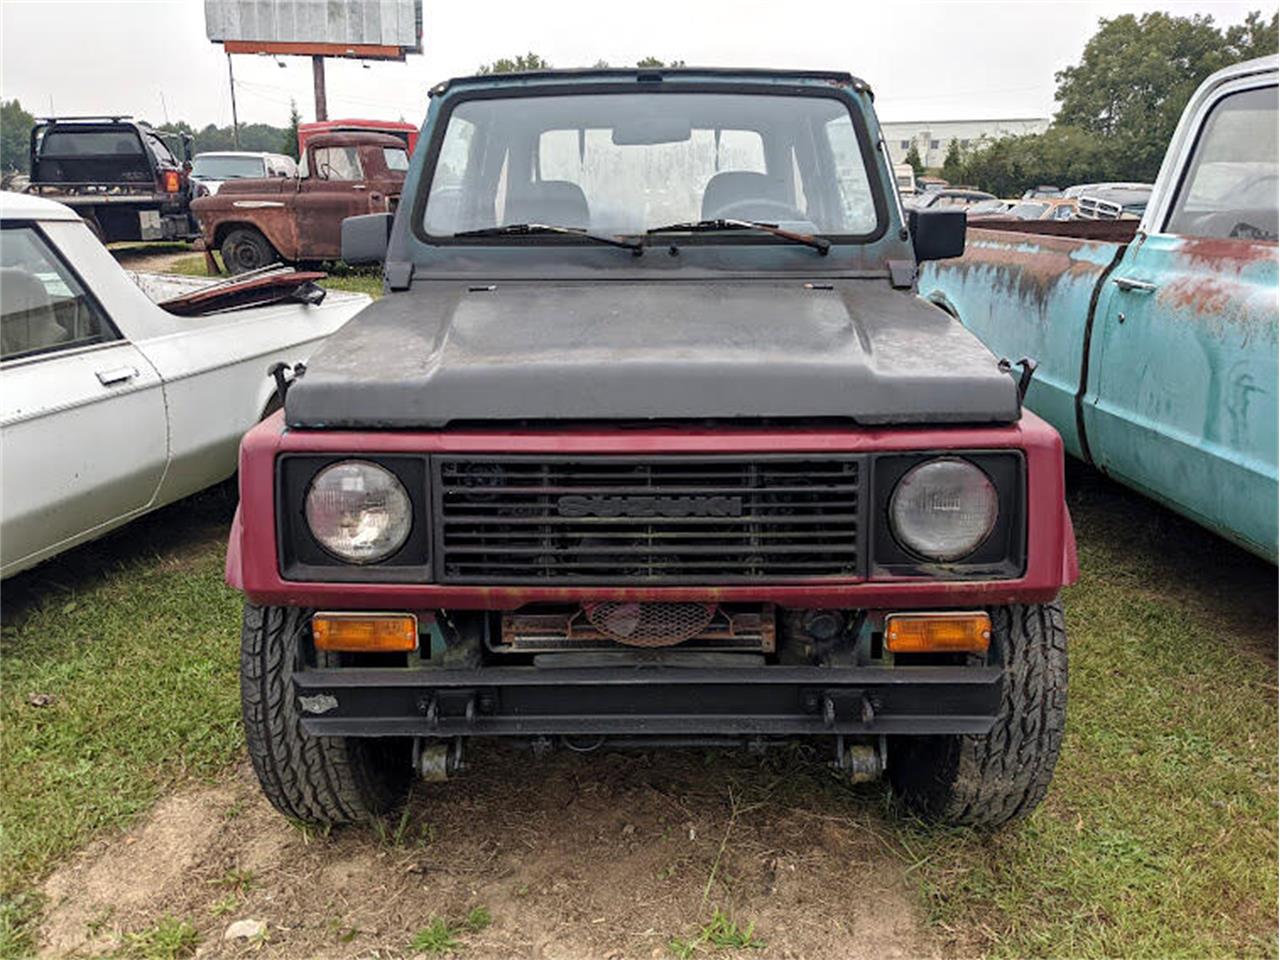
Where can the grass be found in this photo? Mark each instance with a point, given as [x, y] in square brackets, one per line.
[718, 933]
[441, 934]
[170, 939]
[135, 638]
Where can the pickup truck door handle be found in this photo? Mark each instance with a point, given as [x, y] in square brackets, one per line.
[1133, 286]
[109, 378]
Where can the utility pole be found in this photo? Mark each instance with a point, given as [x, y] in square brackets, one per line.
[317, 70]
[235, 120]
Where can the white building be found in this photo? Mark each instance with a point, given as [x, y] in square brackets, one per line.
[933, 137]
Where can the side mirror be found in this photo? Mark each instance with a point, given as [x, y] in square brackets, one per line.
[365, 238]
[937, 234]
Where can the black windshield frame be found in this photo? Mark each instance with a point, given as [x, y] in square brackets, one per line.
[866, 149]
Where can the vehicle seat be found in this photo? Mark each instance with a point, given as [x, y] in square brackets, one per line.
[735, 186]
[554, 202]
[27, 320]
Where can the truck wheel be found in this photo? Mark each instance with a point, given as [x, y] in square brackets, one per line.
[990, 780]
[322, 780]
[245, 249]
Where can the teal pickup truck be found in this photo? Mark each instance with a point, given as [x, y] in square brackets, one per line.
[1156, 346]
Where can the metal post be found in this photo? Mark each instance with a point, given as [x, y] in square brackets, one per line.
[317, 69]
[235, 120]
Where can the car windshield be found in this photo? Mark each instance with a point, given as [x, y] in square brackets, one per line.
[1028, 211]
[206, 167]
[628, 162]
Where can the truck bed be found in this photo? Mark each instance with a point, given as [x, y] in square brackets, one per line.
[1114, 231]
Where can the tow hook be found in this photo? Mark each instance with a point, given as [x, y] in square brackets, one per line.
[437, 760]
[861, 762]
[1028, 366]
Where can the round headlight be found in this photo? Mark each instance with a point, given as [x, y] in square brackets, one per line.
[359, 511]
[943, 509]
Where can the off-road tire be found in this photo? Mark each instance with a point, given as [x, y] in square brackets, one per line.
[988, 781]
[245, 249]
[321, 780]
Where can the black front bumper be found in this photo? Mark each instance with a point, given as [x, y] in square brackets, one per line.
[648, 701]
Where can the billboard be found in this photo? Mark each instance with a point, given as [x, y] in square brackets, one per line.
[359, 29]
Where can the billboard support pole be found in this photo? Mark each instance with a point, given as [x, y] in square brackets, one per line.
[317, 70]
[235, 120]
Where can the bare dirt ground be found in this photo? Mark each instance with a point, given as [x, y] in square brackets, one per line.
[591, 857]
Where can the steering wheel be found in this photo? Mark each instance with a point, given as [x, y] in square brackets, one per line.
[750, 209]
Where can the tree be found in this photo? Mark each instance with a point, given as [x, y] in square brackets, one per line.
[655, 62]
[289, 144]
[15, 136]
[1119, 105]
[913, 158]
[528, 61]
[953, 165]
[1137, 73]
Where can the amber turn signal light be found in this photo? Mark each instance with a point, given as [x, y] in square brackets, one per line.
[937, 632]
[365, 632]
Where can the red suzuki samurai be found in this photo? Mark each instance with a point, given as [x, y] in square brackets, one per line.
[651, 442]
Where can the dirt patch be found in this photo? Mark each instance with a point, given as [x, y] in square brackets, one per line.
[598, 856]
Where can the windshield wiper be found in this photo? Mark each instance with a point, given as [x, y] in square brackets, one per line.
[711, 226]
[528, 229]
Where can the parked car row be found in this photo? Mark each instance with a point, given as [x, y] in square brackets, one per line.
[1085, 201]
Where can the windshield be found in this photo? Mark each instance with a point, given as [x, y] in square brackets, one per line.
[1028, 211]
[626, 163]
[205, 167]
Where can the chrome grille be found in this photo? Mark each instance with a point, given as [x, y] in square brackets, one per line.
[609, 520]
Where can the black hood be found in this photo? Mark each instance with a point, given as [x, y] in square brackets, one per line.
[666, 350]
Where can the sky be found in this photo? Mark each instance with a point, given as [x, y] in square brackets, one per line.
[925, 61]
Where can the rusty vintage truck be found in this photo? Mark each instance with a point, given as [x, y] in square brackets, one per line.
[257, 222]
[1156, 347]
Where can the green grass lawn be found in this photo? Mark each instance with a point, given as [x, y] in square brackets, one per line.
[1158, 837]
[134, 639]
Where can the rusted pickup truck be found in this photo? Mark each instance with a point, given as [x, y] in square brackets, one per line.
[1156, 347]
[299, 219]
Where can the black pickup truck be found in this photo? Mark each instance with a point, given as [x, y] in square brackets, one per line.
[119, 175]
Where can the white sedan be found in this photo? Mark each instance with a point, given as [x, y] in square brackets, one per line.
[110, 405]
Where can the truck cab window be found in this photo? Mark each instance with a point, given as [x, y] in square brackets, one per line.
[1230, 188]
[160, 150]
[336, 163]
[396, 159]
[44, 307]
